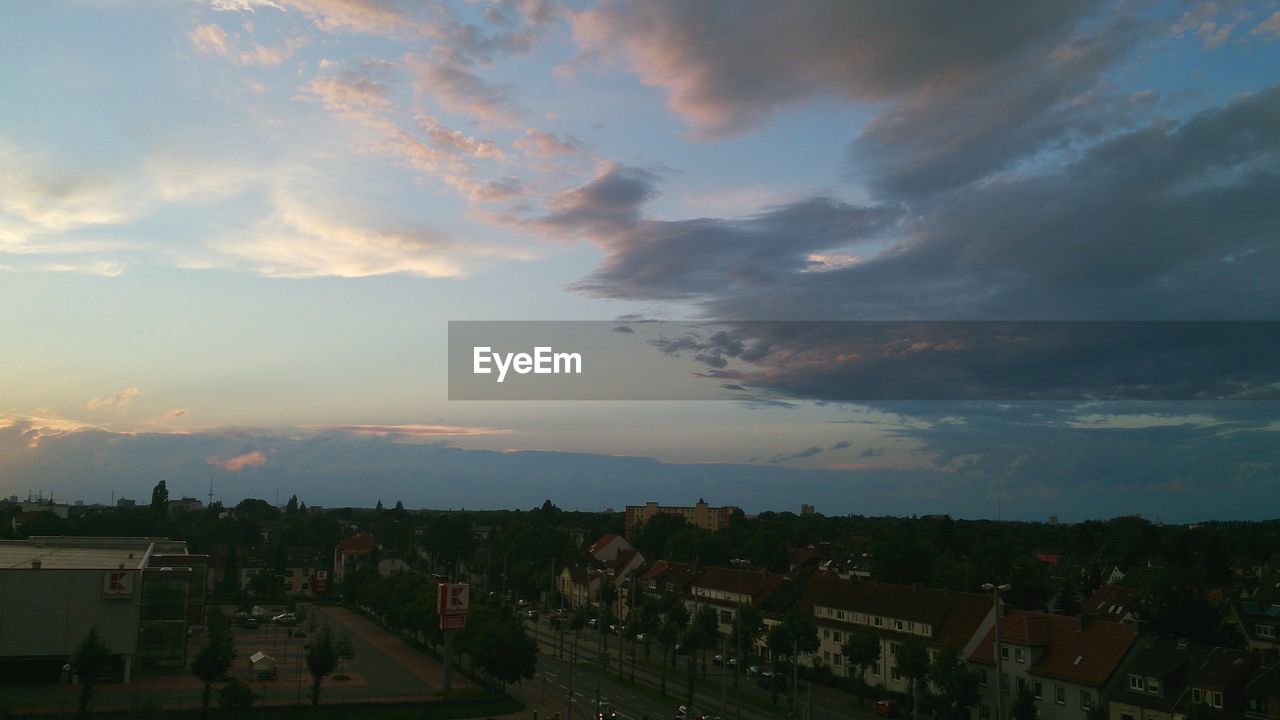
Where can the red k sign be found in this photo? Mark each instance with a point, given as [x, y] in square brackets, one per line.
[453, 599]
[117, 584]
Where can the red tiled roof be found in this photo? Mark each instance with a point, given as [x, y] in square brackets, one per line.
[599, 544]
[730, 579]
[1086, 657]
[358, 544]
[1112, 602]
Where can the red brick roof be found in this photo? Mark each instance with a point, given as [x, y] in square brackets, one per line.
[599, 544]
[1086, 657]
[730, 579]
[1112, 602]
[358, 544]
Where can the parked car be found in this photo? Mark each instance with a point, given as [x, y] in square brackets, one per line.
[592, 623]
[532, 615]
[768, 679]
[886, 708]
[251, 622]
[285, 619]
[685, 712]
[754, 670]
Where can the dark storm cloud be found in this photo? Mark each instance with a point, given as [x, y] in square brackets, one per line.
[877, 361]
[728, 64]
[1169, 221]
[693, 258]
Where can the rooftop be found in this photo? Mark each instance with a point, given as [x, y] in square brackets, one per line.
[76, 553]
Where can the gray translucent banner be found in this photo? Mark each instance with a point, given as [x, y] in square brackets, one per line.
[774, 362]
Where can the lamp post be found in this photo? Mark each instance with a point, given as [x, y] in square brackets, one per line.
[995, 591]
[62, 687]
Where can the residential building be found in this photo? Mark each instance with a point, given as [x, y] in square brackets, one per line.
[353, 552]
[1113, 603]
[895, 614]
[1167, 677]
[1258, 617]
[727, 589]
[1262, 695]
[700, 515]
[1069, 663]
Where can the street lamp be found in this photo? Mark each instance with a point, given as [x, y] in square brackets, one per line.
[995, 591]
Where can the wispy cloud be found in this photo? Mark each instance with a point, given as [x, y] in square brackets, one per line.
[410, 431]
[213, 40]
[119, 400]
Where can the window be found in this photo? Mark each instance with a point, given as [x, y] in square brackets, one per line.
[1126, 716]
[839, 614]
[839, 660]
[726, 617]
[1022, 683]
[1020, 655]
[1215, 699]
[1137, 683]
[875, 670]
[836, 636]
[893, 649]
[826, 655]
[1153, 686]
[1086, 700]
[879, 621]
[897, 625]
[1037, 690]
[1004, 652]
[1059, 695]
[1196, 695]
[1004, 682]
[1267, 631]
[895, 674]
[826, 634]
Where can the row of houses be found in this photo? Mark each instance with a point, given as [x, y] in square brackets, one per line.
[1072, 665]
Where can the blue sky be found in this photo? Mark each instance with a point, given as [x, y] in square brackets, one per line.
[244, 219]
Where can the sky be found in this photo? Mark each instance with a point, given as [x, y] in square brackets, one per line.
[233, 234]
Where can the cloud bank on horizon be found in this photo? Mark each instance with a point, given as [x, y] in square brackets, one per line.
[730, 160]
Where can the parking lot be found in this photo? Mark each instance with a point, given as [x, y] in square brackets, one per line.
[384, 669]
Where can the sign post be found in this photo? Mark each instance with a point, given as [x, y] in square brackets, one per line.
[453, 600]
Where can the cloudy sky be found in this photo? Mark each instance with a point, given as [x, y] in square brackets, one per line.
[232, 234]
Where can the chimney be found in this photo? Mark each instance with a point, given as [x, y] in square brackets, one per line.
[1082, 621]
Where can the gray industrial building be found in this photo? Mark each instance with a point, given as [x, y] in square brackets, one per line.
[141, 593]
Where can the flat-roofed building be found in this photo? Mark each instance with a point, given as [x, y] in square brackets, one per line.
[700, 515]
[136, 591]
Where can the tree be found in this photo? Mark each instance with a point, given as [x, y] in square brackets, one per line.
[90, 663]
[399, 507]
[322, 656]
[291, 507]
[912, 661]
[747, 628]
[160, 497]
[1024, 706]
[342, 646]
[675, 621]
[956, 682]
[499, 646]
[707, 623]
[236, 695]
[797, 633]
[861, 651]
[214, 658]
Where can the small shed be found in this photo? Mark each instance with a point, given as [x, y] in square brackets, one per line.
[262, 666]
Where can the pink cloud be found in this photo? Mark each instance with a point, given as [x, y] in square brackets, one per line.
[240, 462]
[119, 400]
[410, 430]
